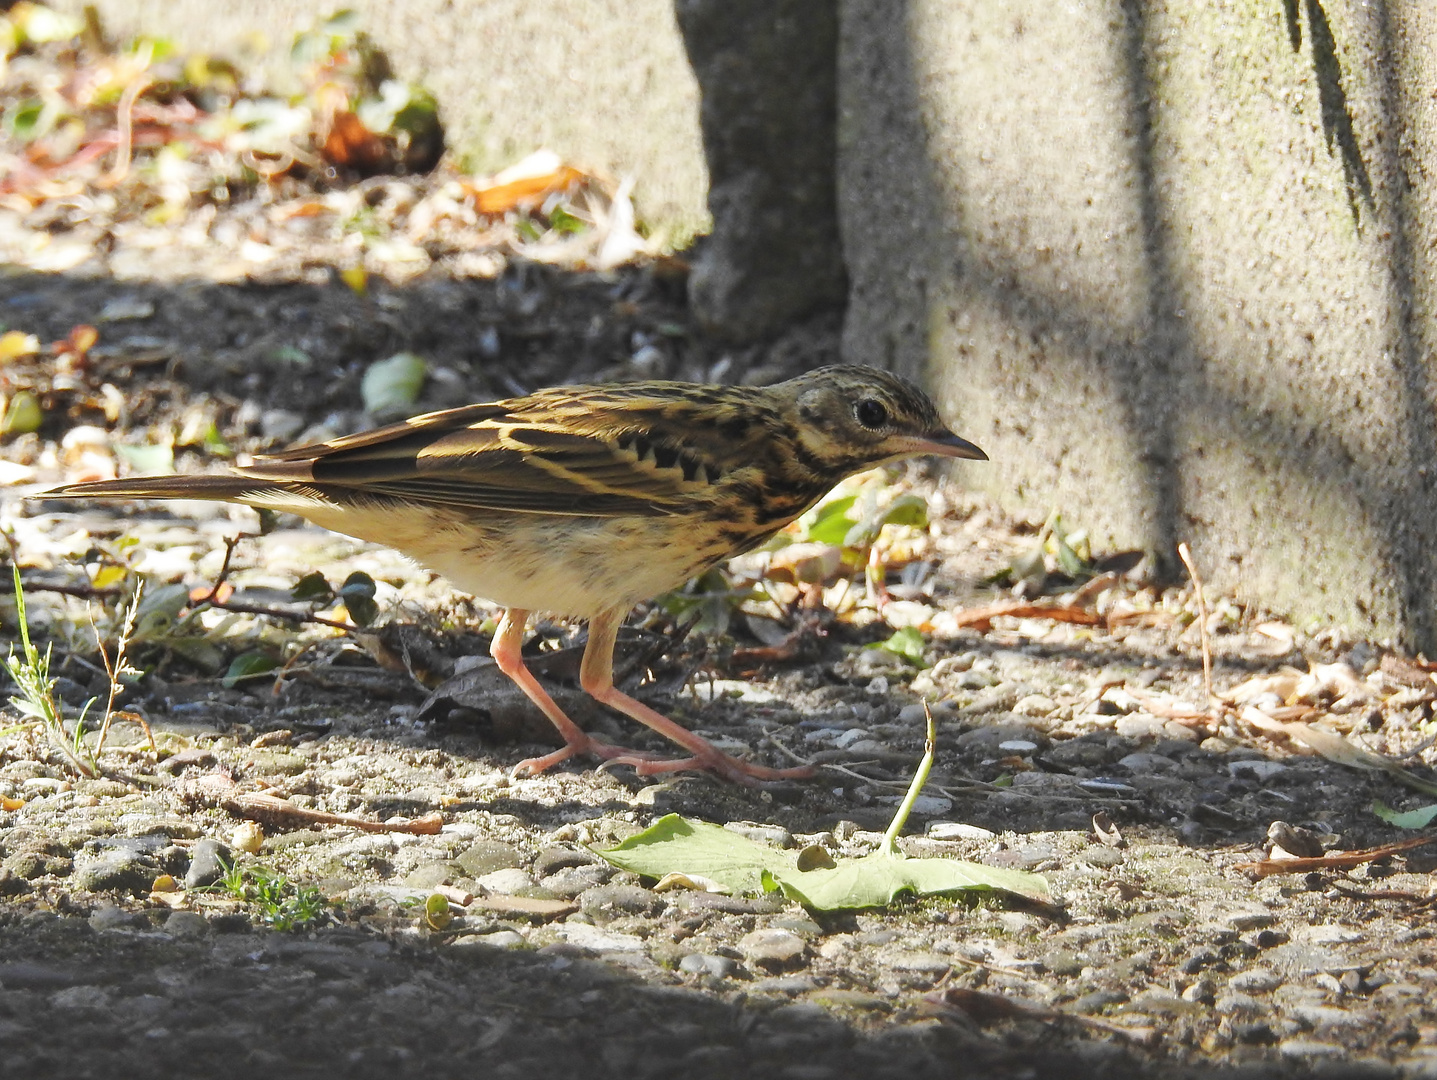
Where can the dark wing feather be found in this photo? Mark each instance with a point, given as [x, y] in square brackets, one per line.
[493, 457]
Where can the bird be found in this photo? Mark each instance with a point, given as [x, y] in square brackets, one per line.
[584, 501]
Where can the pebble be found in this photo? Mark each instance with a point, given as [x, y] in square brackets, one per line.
[430, 875]
[592, 939]
[117, 869]
[927, 962]
[1259, 770]
[719, 967]
[957, 830]
[574, 880]
[1236, 1004]
[511, 881]
[610, 901]
[773, 948]
[486, 856]
[187, 924]
[209, 860]
[1309, 1048]
[553, 859]
[109, 917]
[1255, 981]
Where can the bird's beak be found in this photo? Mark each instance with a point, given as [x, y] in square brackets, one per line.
[946, 444]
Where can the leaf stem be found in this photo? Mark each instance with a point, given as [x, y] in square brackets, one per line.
[900, 818]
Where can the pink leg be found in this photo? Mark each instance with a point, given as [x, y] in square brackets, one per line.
[505, 650]
[596, 675]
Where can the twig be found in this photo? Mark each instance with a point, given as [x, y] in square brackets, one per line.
[1344, 860]
[1186, 556]
[280, 613]
[230, 543]
[82, 592]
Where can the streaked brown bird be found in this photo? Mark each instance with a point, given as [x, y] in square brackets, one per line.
[586, 500]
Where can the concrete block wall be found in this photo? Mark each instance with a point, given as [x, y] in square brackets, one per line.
[1170, 264]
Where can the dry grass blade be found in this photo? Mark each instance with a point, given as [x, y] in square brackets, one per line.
[1187, 557]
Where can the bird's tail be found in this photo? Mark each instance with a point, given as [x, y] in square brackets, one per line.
[219, 488]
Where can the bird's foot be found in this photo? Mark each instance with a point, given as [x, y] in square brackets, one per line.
[651, 764]
[620, 755]
[719, 763]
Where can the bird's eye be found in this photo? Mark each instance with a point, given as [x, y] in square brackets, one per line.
[870, 413]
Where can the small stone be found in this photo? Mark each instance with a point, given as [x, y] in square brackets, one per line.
[957, 830]
[1201, 992]
[11, 883]
[1255, 981]
[29, 865]
[1035, 705]
[428, 875]
[925, 962]
[511, 881]
[553, 859]
[592, 939]
[1235, 1004]
[110, 917]
[575, 880]
[718, 967]
[486, 856]
[1309, 1048]
[209, 861]
[772, 948]
[1260, 770]
[186, 924]
[1140, 726]
[498, 939]
[610, 901]
[116, 869]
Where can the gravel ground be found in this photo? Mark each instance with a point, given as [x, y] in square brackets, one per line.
[1159, 956]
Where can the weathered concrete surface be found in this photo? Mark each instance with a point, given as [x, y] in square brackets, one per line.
[1170, 264]
[604, 83]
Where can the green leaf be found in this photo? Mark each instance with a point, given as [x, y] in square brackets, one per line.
[1069, 560]
[907, 510]
[677, 845]
[312, 586]
[391, 386]
[158, 610]
[22, 414]
[832, 522]
[907, 643]
[562, 221]
[1409, 819]
[879, 878]
[357, 593]
[247, 666]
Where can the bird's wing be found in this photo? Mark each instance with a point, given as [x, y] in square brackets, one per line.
[498, 457]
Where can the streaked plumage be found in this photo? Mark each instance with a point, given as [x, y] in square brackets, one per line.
[584, 501]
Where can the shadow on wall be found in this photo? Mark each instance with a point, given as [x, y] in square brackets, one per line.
[1166, 394]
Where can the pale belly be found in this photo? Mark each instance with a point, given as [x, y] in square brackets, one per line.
[567, 566]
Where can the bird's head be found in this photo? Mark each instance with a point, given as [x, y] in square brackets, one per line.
[850, 418]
